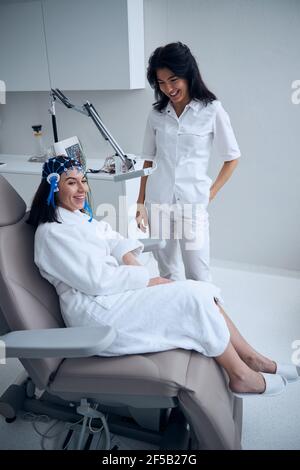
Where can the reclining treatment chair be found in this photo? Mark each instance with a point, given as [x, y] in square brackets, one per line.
[175, 399]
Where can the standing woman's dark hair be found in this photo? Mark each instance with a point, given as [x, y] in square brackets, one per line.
[42, 210]
[178, 58]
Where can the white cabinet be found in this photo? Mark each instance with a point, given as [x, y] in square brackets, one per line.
[23, 58]
[95, 44]
[72, 45]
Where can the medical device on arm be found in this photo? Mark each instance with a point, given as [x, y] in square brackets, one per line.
[127, 168]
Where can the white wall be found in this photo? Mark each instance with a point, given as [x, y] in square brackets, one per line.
[248, 53]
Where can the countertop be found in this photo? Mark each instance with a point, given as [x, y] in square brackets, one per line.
[20, 164]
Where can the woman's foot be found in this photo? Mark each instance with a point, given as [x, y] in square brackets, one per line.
[262, 364]
[290, 371]
[259, 363]
[274, 385]
[247, 382]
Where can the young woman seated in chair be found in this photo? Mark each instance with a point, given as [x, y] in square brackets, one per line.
[99, 281]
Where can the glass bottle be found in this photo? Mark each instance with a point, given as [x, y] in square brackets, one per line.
[40, 152]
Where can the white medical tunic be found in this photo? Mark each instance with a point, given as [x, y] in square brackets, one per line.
[181, 147]
[83, 260]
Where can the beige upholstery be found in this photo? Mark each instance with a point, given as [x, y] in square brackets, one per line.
[187, 378]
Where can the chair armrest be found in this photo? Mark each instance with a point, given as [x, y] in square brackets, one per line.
[58, 342]
[151, 244]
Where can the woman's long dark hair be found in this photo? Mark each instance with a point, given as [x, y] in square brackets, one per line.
[40, 211]
[178, 58]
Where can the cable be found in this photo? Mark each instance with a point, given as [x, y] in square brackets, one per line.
[34, 419]
[104, 426]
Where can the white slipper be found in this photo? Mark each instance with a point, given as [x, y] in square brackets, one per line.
[289, 371]
[275, 384]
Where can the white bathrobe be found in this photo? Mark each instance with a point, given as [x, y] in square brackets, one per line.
[83, 260]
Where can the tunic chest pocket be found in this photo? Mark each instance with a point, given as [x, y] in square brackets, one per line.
[189, 131]
[195, 140]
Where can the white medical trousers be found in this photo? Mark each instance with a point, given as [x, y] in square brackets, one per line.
[185, 230]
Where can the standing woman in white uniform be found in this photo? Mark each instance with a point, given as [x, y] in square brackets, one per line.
[185, 123]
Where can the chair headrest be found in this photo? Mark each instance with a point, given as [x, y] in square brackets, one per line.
[12, 206]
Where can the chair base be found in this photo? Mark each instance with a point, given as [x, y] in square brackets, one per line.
[174, 432]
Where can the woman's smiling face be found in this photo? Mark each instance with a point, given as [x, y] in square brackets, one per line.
[73, 188]
[175, 88]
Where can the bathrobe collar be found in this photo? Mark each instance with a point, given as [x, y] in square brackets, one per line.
[71, 217]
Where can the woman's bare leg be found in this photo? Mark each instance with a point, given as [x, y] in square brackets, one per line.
[252, 358]
[242, 379]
